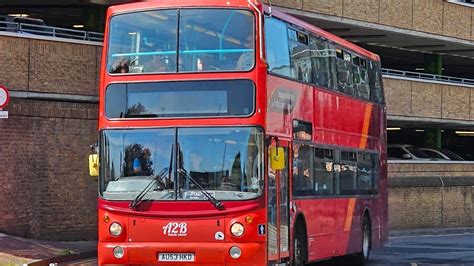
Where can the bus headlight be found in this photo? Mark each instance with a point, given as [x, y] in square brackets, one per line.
[115, 229]
[237, 229]
[235, 252]
[118, 252]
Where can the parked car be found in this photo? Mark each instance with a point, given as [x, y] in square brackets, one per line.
[7, 24]
[33, 26]
[442, 154]
[406, 152]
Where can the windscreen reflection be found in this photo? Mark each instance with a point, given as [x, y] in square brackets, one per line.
[132, 158]
[226, 162]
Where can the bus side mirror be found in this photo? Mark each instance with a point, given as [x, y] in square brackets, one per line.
[277, 158]
[94, 165]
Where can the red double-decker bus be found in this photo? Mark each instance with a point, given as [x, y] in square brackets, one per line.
[234, 134]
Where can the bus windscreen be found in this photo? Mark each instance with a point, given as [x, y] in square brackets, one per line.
[225, 161]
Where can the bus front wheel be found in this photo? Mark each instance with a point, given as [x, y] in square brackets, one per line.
[299, 246]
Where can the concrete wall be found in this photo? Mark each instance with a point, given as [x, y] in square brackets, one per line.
[46, 191]
[442, 196]
[49, 66]
[428, 100]
[431, 16]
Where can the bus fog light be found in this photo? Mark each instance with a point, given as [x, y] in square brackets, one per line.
[237, 229]
[115, 229]
[119, 252]
[235, 252]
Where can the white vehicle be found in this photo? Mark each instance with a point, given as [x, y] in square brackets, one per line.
[442, 154]
[406, 152]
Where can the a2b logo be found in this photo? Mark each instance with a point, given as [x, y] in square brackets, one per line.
[175, 229]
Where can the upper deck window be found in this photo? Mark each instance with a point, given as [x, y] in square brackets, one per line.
[186, 40]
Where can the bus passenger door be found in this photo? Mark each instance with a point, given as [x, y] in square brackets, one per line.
[278, 208]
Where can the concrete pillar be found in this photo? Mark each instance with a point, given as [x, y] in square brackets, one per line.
[94, 17]
[433, 138]
[433, 64]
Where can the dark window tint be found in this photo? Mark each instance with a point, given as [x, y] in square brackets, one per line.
[347, 175]
[375, 81]
[374, 158]
[361, 78]
[180, 99]
[303, 182]
[395, 153]
[323, 172]
[300, 56]
[451, 155]
[302, 130]
[417, 152]
[364, 173]
[344, 72]
[277, 47]
[322, 56]
[433, 154]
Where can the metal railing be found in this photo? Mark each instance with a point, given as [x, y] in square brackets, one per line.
[43, 30]
[426, 76]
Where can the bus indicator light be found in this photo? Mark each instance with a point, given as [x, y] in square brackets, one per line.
[106, 218]
[249, 219]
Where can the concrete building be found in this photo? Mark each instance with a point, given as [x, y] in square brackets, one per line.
[426, 46]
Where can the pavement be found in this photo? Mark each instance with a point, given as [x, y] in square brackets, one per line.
[22, 251]
[431, 231]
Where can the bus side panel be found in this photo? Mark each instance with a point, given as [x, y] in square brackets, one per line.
[321, 226]
[334, 226]
[355, 231]
[339, 120]
[287, 100]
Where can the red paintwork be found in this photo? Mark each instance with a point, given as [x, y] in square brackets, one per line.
[337, 120]
[144, 234]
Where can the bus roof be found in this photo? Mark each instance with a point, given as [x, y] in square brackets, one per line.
[319, 32]
[155, 4]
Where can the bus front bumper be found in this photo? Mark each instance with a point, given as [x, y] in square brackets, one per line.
[202, 253]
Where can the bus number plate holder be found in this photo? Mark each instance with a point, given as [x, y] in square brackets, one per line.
[176, 257]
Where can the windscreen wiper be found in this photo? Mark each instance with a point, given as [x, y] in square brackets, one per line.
[208, 195]
[139, 198]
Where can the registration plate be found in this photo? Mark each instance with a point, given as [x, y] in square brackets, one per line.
[175, 256]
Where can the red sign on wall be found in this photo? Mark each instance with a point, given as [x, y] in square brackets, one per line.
[4, 97]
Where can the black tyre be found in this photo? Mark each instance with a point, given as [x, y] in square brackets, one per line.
[299, 247]
[363, 256]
